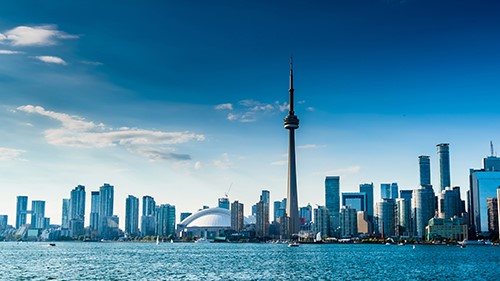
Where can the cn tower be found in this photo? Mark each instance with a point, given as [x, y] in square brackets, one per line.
[291, 124]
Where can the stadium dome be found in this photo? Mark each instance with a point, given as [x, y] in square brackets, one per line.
[213, 220]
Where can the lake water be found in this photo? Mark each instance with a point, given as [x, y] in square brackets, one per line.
[225, 261]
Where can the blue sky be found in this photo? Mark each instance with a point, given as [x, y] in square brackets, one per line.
[179, 99]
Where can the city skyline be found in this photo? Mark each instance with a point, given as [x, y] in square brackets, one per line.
[120, 101]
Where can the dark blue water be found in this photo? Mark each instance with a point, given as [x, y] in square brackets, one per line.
[214, 261]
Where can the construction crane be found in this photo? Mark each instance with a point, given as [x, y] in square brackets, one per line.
[227, 192]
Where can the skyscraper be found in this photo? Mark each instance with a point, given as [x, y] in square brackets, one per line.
[266, 198]
[223, 203]
[348, 222]
[262, 219]
[94, 210]
[389, 190]
[423, 208]
[77, 211]
[65, 213]
[367, 188]
[165, 220]
[21, 210]
[291, 123]
[237, 218]
[107, 223]
[448, 203]
[492, 204]
[332, 202]
[355, 200]
[406, 194]
[322, 220]
[387, 217]
[38, 214]
[3, 222]
[148, 216]
[305, 214]
[443, 151]
[404, 223]
[424, 164]
[132, 216]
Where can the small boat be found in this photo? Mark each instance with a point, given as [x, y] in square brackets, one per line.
[293, 244]
[52, 244]
[414, 247]
[202, 240]
[157, 240]
[401, 244]
[171, 241]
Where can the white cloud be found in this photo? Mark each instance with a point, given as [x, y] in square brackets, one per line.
[9, 52]
[51, 59]
[344, 171]
[10, 153]
[309, 146]
[96, 63]
[310, 108]
[224, 163]
[279, 163]
[223, 106]
[41, 35]
[78, 132]
[283, 107]
[197, 165]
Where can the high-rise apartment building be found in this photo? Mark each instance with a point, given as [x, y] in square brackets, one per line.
[262, 219]
[492, 204]
[165, 220]
[322, 220]
[406, 194]
[237, 218]
[449, 203]
[332, 202]
[223, 203]
[38, 214]
[77, 211]
[3, 222]
[404, 222]
[279, 208]
[348, 222]
[423, 208]
[107, 222]
[305, 214]
[132, 216]
[367, 189]
[355, 200]
[387, 217]
[21, 211]
[424, 164]
[443, 151]
[94, 210]
[65, 213]
[389, 190]
[148, 221]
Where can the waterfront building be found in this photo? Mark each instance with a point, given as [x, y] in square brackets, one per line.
[492, 204]
[148, 219]
[449, 203]
[483, 184]
[94, 210]
[77, 211]
[441, 228]
[387, 217]
[443, 151]
[65, 213]
[21, 211]
[305, 214]
[291, 123]
[404, 222]
[424, 164]
[365, 226]
[3, 222]
[348, 222]
[355, 200]
[367, 189]
[406, 194]
[165, 220]
[107, 222]
[279, 208]
[332, 202]
[262, 219]
[237, 217]
[498, 199]
[37, 214]
[223, 202]
[423, 208]
[132, 216]
[322, 220]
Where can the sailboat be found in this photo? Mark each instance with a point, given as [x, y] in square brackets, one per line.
[318, 238]
[157, 240]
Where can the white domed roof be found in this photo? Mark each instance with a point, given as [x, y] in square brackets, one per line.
[211, 217]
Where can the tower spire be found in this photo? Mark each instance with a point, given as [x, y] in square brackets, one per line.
[491, 147]
[291, 86]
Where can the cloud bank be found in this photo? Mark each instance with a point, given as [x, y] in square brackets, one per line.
[76, 131]
[41, 35]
